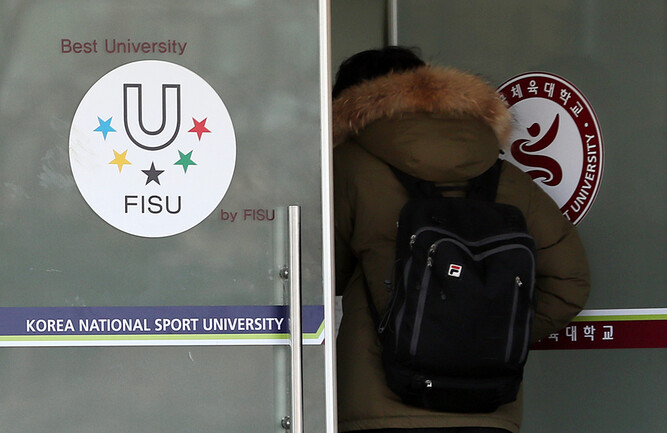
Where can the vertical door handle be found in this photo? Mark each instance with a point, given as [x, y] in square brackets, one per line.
[294, 221]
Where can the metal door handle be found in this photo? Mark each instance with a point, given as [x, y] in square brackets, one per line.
[294, 222]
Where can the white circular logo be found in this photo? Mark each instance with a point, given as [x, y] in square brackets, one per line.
[152, 148]
[556, 139]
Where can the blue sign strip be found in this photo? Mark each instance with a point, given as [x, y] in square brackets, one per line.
[202, 324]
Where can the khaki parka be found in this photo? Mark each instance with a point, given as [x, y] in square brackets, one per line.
[444, 126]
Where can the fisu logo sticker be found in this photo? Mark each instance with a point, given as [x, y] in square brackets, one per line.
[556, 139]
[152, 148]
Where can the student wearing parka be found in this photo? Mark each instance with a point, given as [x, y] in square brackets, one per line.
[445, 126]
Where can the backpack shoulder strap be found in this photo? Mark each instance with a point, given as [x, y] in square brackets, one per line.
[485, 186]
[417, 188]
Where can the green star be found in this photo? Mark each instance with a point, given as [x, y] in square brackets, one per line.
[185, 161]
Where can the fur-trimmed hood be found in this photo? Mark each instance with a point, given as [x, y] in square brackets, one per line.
[426, 89]
[441, 125]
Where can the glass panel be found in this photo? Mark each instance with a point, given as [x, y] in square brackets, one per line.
[262, 60]
[615, 52]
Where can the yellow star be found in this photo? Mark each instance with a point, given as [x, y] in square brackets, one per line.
[120, 160]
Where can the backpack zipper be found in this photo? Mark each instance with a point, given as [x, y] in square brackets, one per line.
[399, 316]
[484, 241]
[515, 306]
[421, 303]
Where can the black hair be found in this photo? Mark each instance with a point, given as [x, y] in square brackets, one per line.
[370, 64]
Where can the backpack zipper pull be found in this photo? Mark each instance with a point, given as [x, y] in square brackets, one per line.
[413, 238]
[518, 281]
[429, 258]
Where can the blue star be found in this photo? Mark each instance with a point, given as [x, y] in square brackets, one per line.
[105, 126]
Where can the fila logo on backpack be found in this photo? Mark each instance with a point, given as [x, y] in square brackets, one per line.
[455, 270]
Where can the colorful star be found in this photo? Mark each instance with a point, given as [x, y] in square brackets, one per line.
[185, 161]
[200, 127]
[120, 160]
[152, 174]
[105, 126]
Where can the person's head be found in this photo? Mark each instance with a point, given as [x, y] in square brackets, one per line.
[370, 64]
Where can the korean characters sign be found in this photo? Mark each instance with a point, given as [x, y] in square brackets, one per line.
[611, 329]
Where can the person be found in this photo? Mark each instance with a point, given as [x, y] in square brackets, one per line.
[445, 126]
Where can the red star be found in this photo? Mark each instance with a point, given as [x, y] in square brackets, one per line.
[199, 128]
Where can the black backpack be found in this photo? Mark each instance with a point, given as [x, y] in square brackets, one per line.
[455, 333]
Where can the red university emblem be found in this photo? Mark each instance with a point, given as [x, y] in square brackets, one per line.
[556, 139]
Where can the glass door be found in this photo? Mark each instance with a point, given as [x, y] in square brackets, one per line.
[605, 370]
[164, 186]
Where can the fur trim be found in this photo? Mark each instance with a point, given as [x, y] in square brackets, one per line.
[425, 89]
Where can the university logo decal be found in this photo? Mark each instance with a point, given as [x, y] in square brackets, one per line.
[556, 139]
[152, 148]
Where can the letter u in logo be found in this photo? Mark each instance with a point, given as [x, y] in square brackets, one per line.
[133, 108]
